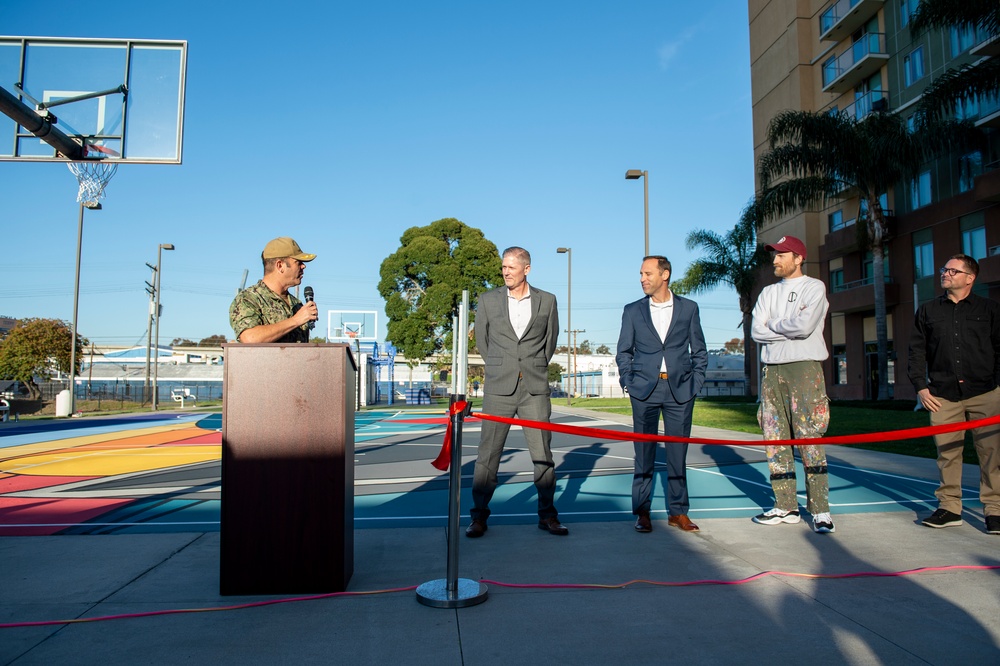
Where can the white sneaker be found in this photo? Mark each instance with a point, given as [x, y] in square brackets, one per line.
[776, 516]
[823, 523]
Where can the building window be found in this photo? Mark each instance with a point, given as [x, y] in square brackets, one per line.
[837, 280]
[969, 167]
[906, 9]
[840, 364]
[962, 39]
[974, 243]
[967, 109]
[920, 190]
[830, 70]
[836, 220]
[869, 266]
[923, 260]
[913, 66]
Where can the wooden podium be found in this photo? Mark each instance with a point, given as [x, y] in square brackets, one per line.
[287, 468]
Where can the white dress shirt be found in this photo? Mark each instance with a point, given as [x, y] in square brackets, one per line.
[662, 314]
[520, 312]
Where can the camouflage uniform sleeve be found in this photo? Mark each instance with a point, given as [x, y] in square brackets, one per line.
[244, 313]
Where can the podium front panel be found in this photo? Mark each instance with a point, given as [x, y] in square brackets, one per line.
[287, 469]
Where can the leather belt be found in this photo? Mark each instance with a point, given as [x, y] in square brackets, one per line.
[663, 375]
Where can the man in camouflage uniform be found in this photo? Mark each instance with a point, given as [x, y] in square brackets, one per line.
[267, 312]
[788, 321]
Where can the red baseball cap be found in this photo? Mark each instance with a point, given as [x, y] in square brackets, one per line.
[788, 244]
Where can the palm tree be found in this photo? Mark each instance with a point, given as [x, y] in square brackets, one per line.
[817, 157]
[969, 82]
[735, 259]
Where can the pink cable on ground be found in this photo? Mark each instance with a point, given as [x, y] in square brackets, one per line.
[538, 586]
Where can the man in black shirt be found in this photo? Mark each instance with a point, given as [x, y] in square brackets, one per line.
[955, 367]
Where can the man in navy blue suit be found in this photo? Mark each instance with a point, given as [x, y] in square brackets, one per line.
[661, 360]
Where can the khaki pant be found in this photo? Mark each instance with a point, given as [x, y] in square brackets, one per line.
[794, 405]
[950, 446]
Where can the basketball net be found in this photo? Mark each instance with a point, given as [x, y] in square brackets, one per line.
[93, 177]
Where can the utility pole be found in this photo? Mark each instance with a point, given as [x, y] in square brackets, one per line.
[573, 333]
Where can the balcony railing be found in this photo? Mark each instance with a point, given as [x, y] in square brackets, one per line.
[861, 60]
[876, 100]
[846, 16]
[847, 286]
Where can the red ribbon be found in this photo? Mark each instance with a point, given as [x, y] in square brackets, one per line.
[889, 436]
[443, 461]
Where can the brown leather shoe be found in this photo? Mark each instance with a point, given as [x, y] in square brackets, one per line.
[476, 529]
[642, 523]
[553, 526]
[683, 523]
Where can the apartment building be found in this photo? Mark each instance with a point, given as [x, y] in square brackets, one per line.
[858, 57]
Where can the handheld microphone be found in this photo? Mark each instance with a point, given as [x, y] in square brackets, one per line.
[309, 296]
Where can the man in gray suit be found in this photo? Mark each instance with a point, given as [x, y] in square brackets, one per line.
[516, 329]
[661, 360]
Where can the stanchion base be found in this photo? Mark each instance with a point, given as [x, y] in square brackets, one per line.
[467, 593]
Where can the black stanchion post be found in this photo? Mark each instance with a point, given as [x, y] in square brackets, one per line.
[453, 592]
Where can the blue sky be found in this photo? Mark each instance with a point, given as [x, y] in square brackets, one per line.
[342, 124]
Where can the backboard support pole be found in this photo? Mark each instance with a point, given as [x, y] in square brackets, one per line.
[25, 116]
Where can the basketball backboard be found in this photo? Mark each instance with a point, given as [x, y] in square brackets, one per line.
[66, 99]
[351, 325]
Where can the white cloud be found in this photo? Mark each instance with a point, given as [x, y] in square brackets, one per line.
[672, 48]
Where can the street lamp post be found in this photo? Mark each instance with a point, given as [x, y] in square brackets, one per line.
[568, 251]
[156, 310]
[92, 205]
[636, 174]
[151, 290]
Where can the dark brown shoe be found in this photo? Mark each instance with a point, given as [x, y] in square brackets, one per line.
[553, 526]
[476, 529]
[683, 523]
[642, 523]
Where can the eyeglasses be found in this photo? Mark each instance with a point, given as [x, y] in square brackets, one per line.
[952, 272]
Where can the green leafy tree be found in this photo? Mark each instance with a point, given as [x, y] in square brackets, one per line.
[212, 341]
[183, 342]
[584, 348]
[818, 157]
[970, 82]
[603, 349]
[37, 348]
[422, 283]
[733, 259]
[555, 372]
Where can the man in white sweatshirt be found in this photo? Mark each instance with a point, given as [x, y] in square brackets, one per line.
[788, 323]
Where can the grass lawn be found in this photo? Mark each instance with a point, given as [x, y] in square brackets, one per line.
[846, 418]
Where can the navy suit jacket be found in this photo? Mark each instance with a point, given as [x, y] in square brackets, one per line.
[640, 351]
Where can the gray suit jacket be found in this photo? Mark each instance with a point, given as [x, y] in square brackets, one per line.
[505, 355]
[640, 351]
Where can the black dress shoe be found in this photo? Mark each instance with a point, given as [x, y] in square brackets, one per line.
[553, 526]
[476, 529]
[642, 523]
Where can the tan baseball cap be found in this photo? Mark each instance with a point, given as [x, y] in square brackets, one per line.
[283, 247]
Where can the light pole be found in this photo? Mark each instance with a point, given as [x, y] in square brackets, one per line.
[151, 290]
[156, 310]
[636, 174]
[92, 205]
[568, 251]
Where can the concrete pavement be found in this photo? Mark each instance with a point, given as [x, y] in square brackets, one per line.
[941, 616]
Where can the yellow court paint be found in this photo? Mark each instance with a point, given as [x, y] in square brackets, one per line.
[71, 442]
[90, 462]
